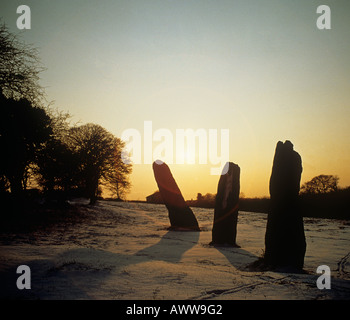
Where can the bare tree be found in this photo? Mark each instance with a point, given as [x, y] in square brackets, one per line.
[117, 177]
[320, 184]
[99, 152]
[19, 69]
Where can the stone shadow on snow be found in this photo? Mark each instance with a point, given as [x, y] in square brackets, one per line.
[81, 270]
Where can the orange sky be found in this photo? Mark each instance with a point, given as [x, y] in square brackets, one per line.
[260, 69]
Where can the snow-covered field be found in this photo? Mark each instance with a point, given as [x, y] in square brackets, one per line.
[124, 251]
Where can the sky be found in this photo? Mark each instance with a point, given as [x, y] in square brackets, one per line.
[260, 69]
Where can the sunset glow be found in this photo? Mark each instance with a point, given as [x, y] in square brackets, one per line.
[261, 69]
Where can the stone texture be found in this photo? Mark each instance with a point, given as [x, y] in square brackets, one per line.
[285, 243]
[224, 230]
[180, 214]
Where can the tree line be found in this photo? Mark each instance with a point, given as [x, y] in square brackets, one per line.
[320, 197]
[39, 147]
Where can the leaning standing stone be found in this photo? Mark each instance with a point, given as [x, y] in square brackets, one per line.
[180, 214]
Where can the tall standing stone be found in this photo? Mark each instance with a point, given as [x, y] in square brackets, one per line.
[285, 243]
[224, 230]
[180, 214]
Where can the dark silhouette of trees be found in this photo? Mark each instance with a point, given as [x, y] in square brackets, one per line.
[37, 143]
[117, 177]
[320, 185]
[207, 200]
[322, 197]
[19, 68]
[58, 170]
[99, 154]
[60, 159]
[24, 130]
[203, 201]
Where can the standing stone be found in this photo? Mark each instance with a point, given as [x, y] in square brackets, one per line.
[285, 243]
[224, 230]
[180, 214]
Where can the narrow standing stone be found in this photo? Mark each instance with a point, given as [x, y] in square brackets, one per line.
[224, 230]
[285, 243]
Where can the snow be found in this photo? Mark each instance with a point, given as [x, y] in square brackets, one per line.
[124, 251]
